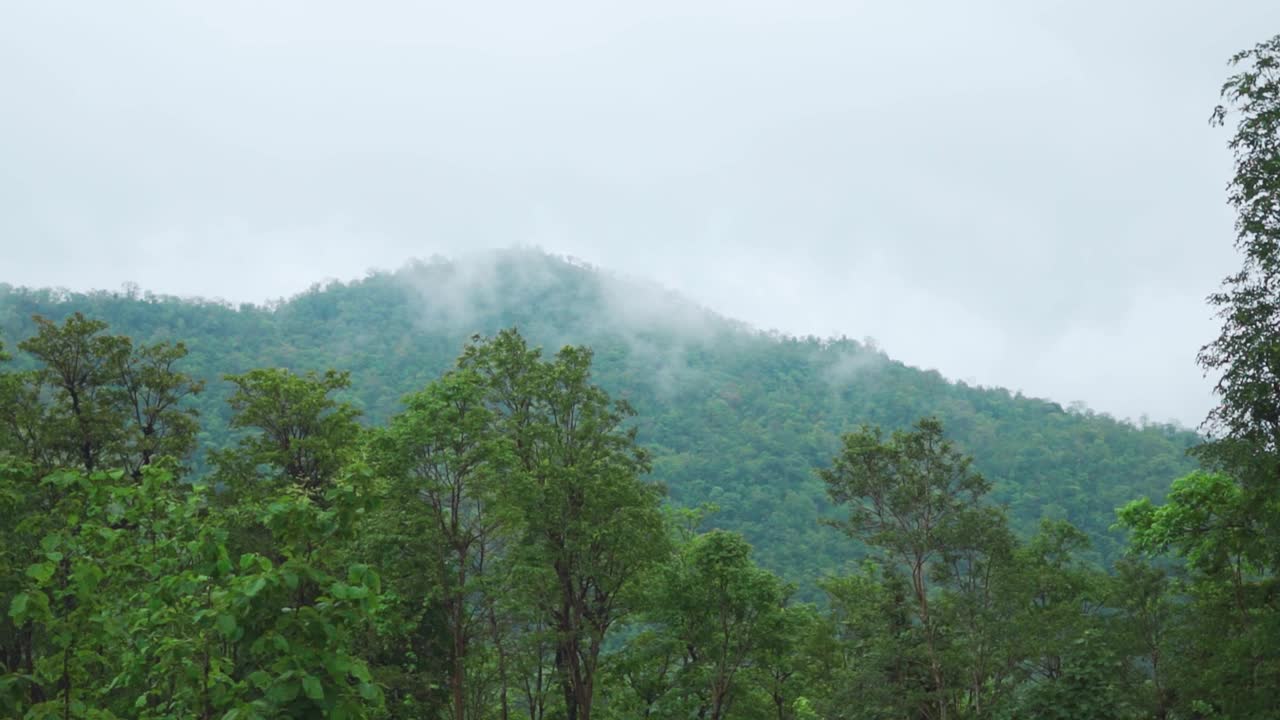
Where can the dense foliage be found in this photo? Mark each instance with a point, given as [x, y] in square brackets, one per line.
[730, 417]
[494, 549]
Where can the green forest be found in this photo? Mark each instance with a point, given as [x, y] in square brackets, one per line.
[523, 487]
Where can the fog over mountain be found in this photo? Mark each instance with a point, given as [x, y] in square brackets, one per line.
[733, 417]
[1018, 194]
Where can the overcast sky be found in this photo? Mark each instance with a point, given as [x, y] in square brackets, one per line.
[1017, 193]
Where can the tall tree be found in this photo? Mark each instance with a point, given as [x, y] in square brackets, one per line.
[152, 392]
[980, 572]
[877, 666]
[1144, 628]
[908, 496]
[1226, 522]
[590, 524]
[295, 497]
[77, 364]
[1059, 603]
[97, 400]
[1228, 657]
[299, 433]
[444, 458]
[96, 408]
[1246, 353]
[725, 612]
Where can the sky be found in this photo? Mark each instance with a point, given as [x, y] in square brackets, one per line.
[1023, 194]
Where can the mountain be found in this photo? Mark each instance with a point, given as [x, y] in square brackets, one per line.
[734, 417]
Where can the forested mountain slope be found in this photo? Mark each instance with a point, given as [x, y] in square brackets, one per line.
[733, 416]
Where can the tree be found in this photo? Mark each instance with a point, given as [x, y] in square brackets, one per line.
[907, 497]
[136, 608]
[153, 394]
[1247, 352]
[1228, 627]
[294, 498]
[1225, 522]
[77, 364]
[589, 525]
[877, 666]
[1059, 601]
[980, 572]
[1144, 628]
[82, 428]
[302, 435]
[23, 418]
[444, 458]
[788, 665]
[724, 612]
[62, 610]
[1090, 685]
[96, 400]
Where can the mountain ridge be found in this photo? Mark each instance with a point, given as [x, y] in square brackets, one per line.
[437, 261]
[735, 416]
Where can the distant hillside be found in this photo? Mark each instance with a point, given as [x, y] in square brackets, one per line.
[734, 417]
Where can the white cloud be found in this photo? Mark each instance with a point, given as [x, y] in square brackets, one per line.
[1026, 194]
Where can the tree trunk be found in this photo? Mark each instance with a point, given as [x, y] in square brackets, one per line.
[457, 678]
[935, 666]
[566, 682]
[502, 664]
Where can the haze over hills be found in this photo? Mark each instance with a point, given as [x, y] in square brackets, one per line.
[734, 417]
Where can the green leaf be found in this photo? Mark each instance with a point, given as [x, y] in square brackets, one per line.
[87, 577]
[255, 586]
[283, 692]
[226, 624]
[224, 560]
[41, 571]
[18, 607]
[338, 666]
[311, 686]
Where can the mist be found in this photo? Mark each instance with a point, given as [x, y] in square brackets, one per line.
[1018, 195]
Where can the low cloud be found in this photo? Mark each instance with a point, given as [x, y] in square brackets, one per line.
[1025, 194]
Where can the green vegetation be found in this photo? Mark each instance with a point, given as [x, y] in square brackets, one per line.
[667, 519]
[730, 417]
